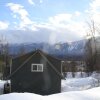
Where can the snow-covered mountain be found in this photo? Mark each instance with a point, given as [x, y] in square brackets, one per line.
[62, 50]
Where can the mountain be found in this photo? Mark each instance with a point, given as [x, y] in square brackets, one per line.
[60, 50]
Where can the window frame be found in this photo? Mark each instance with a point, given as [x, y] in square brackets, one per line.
[37, 68]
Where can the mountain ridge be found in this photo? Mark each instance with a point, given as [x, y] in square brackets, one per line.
[61, 50]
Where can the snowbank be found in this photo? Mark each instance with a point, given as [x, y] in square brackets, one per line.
[76, 84]
[91, 94]
[2, 82]
[2, 86]
[20, 96]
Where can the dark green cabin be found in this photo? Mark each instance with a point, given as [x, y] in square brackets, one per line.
[36, 72]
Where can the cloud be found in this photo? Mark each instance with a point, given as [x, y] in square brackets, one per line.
[41, 1]
[41, 35]
[53, 38]
[35, 2]
[60, 18]
[95, 5]
[23, 14]
[31, 2]
[58, 28]
[67, 22]
[94, 10]
[48, 32]
[61, 27]
[3, 25]
[94, 15]
[77, 13]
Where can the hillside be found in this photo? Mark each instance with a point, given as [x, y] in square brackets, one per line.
[61, 50]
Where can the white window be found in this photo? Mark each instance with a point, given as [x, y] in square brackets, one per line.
[37, 68]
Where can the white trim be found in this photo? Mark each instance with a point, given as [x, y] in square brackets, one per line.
[38, 65]
[62, 67]
[10, 65]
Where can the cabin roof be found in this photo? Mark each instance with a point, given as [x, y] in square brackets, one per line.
[28, 56]
[37, 51]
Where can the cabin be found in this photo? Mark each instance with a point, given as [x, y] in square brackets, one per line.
[36, 72]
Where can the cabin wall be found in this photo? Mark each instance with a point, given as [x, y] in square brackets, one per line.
[46, 82]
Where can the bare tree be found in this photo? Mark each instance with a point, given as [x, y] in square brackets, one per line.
[73, 68]
[4, 54]
[91, 46]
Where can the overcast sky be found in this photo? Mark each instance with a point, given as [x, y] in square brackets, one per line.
[46, 20]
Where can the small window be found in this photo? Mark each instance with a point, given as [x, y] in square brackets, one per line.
[37, 67]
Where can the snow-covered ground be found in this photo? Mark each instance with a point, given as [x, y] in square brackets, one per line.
[2, 86]
[91, 94]
[77, 84]
[72, 89]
